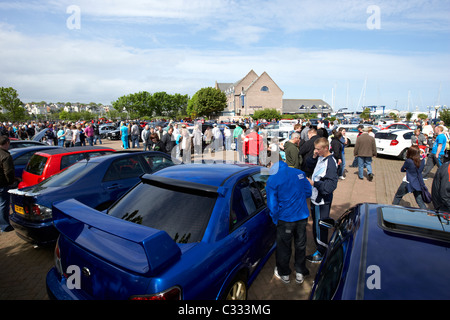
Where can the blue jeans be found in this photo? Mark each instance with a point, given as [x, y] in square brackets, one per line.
[342, 167]
[134, 141]
[4, 209]
[286, 231]
[364, 162]
[97, 137]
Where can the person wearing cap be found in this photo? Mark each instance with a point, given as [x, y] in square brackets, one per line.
[365, 149]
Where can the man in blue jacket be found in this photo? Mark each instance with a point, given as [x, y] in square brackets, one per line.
[287, 190]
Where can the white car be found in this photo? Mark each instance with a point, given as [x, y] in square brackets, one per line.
[351, 131]
[393, 142]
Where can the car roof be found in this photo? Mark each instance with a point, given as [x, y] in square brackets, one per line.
[210, 174]
[33, 148]
[119, 154]
[26, 141]
[74, 150]
[416, 259]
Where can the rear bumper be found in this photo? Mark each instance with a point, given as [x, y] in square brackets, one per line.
[56, 288]
[40, 233]
[389, 151]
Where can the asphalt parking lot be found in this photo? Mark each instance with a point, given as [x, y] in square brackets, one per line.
[23, 268]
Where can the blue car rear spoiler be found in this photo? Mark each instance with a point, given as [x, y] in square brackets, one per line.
[140, 249]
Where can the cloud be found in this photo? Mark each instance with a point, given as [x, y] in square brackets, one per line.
[57, 68]
[101, 62]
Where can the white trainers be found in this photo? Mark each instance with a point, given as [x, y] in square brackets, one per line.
[285, 279]
[299, 278]
[342, 177]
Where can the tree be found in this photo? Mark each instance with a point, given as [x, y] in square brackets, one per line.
[409, 116]
[9, 101]
[208, 101]
[444, 115]
[365, 114]
[422, 116]
[267, 114]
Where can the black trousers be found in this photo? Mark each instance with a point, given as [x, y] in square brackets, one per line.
[286, 231]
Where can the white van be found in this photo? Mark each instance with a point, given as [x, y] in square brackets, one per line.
[287, 124]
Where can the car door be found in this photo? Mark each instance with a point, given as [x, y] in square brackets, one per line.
[121, 175]
[248, 219]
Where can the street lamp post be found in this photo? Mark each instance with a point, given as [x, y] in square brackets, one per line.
[436, 108]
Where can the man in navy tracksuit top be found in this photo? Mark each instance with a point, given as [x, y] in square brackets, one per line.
[287, 190]
[324, 181]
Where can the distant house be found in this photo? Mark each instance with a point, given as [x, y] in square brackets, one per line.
[254, 92]
[301, 106]
[250, 94]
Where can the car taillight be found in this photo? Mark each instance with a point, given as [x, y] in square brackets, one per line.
[394, 142]
[41, 212]
[57, 258]
[170, 294]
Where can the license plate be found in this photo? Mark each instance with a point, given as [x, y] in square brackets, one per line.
[380, 149]
[19, 209]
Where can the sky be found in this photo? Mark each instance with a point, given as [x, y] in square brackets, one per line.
[348, 52]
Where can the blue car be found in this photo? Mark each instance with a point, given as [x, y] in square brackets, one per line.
[21, 156]
[386, 252]
[194, 231]
[96, 182]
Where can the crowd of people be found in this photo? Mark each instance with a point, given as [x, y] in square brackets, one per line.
[311, 169]
[307, 166]
[64, 134]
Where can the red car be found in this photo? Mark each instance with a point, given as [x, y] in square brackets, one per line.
[46, 163]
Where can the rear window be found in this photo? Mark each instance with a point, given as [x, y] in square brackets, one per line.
[183, 215]
[70, 159]
[70, 175]
[36, 165]
[385, 136]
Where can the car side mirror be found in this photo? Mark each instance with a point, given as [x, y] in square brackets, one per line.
[327, 223]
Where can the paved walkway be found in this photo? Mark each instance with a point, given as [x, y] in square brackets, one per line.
[23, 268]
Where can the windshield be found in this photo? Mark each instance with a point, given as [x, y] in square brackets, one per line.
[184, 216]
[69, 175]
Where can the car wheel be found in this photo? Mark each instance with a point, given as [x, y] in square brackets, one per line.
[237, 290]
[402, 154]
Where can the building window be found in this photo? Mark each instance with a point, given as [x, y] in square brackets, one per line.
[264, 88]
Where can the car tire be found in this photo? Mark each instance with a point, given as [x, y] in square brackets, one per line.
[236, 290]
[402, 155]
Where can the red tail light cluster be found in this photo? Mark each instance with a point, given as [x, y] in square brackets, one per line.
[170, 294]
[394, 142]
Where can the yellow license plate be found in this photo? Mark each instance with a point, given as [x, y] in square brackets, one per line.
[19, 209]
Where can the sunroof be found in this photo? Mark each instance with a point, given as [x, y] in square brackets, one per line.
[415, 222]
